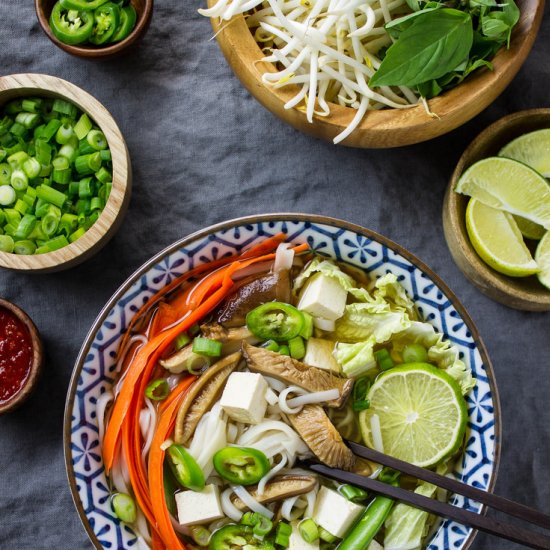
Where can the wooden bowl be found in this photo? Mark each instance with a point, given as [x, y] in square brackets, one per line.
[144, 9]
[108, 222]
[37, 359]
[389, 127]
[516, 292]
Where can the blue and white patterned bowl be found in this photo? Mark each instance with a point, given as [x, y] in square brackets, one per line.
[93, 372]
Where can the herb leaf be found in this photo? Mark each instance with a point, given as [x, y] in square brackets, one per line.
[397, 26]
[434, 44]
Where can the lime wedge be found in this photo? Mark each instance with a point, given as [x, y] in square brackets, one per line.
[542, 256]
[532, 149]
[421, 411]
[529, 229]
[496, 238]
[508, 185]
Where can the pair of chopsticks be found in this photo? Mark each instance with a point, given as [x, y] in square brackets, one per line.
[514, 533]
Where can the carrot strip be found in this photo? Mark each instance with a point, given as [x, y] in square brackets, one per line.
[156, 542]
[166, 315]
[156, 475]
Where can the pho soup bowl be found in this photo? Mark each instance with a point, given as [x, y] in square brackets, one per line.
[144, 13]
[94, 373]
[44, 86]
[385, 127]
[524, 293]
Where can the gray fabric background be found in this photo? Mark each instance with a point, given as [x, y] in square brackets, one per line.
[204, 151]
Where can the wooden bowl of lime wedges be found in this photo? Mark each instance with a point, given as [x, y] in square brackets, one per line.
[496, 213]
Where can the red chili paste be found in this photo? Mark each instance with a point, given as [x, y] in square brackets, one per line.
[16, 354]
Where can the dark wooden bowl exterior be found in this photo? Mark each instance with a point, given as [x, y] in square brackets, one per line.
[111, 217]
[524, 293]
[387, 127]
[144, 9]
[38, 359]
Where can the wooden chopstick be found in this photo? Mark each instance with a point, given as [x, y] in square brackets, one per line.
[494, 501]
[478, 521]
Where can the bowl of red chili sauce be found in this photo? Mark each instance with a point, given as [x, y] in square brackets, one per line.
[21, 356]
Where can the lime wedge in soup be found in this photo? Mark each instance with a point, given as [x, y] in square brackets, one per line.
[420, 412]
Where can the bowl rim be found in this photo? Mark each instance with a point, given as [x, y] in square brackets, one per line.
[495, 285]
[253, 219]
[384, 127]
[16, 85]
[97, 52]
[37, 358]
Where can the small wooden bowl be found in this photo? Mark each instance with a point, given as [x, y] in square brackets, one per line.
[387, 127]
[37, 361]
[108, 222]
[144, 9]
[517, 292]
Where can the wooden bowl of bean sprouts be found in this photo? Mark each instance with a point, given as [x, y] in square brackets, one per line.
[385, 119]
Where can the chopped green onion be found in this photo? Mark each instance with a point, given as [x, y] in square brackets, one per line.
[307, 328]
[124, 507]
[308, 530]
[6, 243]
[24, 247]
[28, 120]
[158, 390]
[64, 107]
[7, 195]
[18, 130]
[56, 243]
[5, 174]
[96, 204]
[205, 346]
[326, 536]
[19, 180]
[51, 195]
[13, 107]
[63, 177]
[50, 220]
[77, 234]
[51, 129]
[248, 519]
[194, 329]
[201, 535]
[284, 350]
[103, 175]
[382, 357]
[26, 225]
[64, 134]
[263, 526]
[86, 188]
[271, 345]
[82, 206]
[83, 126]
[182, 340]
[60, 163]
[16, 159]
[352, 493]
[96, 139]
[68, 151]
[105, 155]
[88, 164]
[297, 347]
[282, 534]
[32, 105]
[21, 206]
[32, 168]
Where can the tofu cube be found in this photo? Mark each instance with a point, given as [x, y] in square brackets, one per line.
[243, 397]
[296, 542]
[335, 513]
[319, 354]
[195, 508]
[323, 297]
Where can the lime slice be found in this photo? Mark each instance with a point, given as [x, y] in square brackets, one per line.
[508, 185]
[529, 229]
[532, 149]
[496, 238]
[421, 411]
[542, 256]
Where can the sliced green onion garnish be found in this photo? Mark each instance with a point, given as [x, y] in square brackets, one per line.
[7, 195]
[182, 340]
[352, 493]
[201, 535]
[382, 357]
[205, 346]
[158, 389]
[297, 347]
[83, 126]
[415, 353]
[326, 536]
[124, 507]
[284, 350]
[24, 247]
[308, 530]
[6, 243]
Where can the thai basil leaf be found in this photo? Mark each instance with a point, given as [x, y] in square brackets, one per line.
[434, 44]
[493, 26]
[483, 47]
[511, 12]
[397, 26]
[429, 89]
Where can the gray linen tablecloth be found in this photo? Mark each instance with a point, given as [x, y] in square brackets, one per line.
[203, 151]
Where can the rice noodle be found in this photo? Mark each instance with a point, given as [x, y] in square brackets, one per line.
[275, 384]
[271, 397]
[173, 380]
[292, 508]
[229, 509]
[102, 401]
[271, 474]
[377, 441]
[251, 502]
[314, 397]
[150, 431]
[283, 396]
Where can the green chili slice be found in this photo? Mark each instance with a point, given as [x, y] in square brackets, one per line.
[128, 17]
[241, 465]
[82, 5]
[275, 321]
[106, 19]
[185, 468]
[71, 25]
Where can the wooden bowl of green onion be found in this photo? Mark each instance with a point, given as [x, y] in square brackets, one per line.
[320, 69]
[65, 174]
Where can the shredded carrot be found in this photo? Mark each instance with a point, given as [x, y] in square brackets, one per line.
[156, 542]
[165, 316]
[156, 474]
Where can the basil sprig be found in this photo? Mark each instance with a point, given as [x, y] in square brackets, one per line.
[436, 47]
